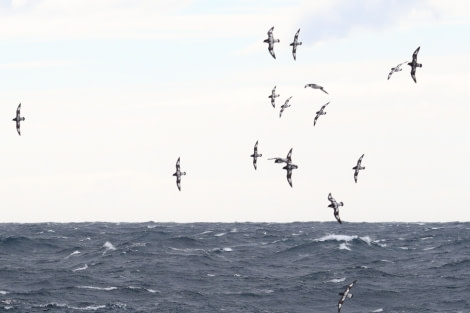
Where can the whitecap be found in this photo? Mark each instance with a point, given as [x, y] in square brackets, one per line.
[227, 249]
[429, 248]
[151, 290]
[344, 246]
[378, 310]
[88, 308]
[98, 288]
[337, 280]
[366, 239]
[73, 253]
[219, 234]
[3, 292]
[80, 268]
[109, 246]
[336, 237]
[206, 232]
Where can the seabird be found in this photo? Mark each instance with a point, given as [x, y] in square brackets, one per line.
[289, 167]
[18, 119]
[271, 41]
[178, 174]
[295, 43]
[395, 69]
[255, 154]
[284, 106]
[414, 64]
[346, 294]
[315, 86]
[286, 160]
[273, 96]
[358, 167]
[321, 112]
[335, 205]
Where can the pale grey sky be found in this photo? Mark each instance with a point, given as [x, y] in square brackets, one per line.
[115, 91]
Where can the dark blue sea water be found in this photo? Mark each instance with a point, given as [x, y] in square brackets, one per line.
[239, 267]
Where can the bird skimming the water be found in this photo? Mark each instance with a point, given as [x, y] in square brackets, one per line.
[345, 295]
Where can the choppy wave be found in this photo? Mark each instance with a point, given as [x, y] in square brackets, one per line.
[239, 267]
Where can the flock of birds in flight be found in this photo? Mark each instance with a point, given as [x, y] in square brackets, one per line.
[289, 165]
[288, 160]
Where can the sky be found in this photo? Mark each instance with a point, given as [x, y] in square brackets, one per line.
[114, 91]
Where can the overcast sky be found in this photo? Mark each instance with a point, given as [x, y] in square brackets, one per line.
[114, 91]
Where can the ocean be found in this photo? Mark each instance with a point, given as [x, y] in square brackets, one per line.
[234, 267]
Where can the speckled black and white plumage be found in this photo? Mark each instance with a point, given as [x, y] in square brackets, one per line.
[270, 41]
[315, 86]
[358, 168]
[414, 64]
[178, 174]
[284, 106]
[395, 69]
[255, 155]
[345, 295]
[319, 113]
[289, 167]
[294, 44]
[273, 97]
[18, 118]
[335, 206]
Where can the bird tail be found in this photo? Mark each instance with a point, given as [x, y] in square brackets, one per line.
[341, 203]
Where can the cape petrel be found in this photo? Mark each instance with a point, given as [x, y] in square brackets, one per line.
[18, 118]
[414, 64]
[270, 41]
[273, 96]
[315, 86]
[321, 112]
[284, 106]
[345, 295]
[178, 174]
[395, 69]
[255, 154]
[358, 167]
[335, 205]
[295, 43]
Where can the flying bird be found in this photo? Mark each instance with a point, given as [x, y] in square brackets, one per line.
[315, 86]
[178, 174]
[18, 118]
[255, 154]
[270, 41]
[358, 167]
[395, 69]
[284, 106]
[345, 295]
[335, 205]
[273, 97]
[287, 159]
[321, 112]
[289, 167]
[414, 64]
[295, 43]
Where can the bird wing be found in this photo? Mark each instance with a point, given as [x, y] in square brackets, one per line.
[18, 127]
[178, 182]
[289, 177]
[289, 156]
[323, 90]
[178, 165]
[413, 73]
[415, 54]
[18, 110]
[332, 200]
